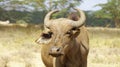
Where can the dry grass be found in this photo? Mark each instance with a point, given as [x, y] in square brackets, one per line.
[18, 47]
[104, 47]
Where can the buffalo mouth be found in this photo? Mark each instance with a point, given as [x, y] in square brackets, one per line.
[56, 54]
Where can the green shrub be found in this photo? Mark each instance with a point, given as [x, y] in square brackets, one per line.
[21, 22]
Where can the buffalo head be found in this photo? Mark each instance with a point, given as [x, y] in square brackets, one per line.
[60, 34]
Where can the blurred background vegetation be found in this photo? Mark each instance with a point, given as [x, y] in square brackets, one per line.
[17, 40]
[33, 11]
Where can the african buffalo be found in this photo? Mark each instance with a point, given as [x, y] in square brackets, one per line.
[65, 41]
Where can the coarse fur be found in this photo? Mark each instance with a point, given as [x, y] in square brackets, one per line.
[73, 41]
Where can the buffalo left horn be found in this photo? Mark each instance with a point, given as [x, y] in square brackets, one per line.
[48, 17]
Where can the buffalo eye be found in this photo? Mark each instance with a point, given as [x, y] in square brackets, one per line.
[74, 28]
[69, 33]
[46, 35]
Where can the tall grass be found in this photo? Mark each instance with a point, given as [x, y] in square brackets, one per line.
[18, 47]
[104, 47]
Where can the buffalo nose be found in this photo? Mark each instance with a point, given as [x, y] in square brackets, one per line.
[55, 51]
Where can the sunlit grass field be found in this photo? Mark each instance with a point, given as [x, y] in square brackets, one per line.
[18, 47]
[104, 47]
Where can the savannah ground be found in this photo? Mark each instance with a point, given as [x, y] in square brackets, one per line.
[18, 47]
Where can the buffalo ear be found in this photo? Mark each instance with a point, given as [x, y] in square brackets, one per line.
[42, 40]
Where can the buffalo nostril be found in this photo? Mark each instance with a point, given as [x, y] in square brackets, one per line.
[55, 49]
[58, 50]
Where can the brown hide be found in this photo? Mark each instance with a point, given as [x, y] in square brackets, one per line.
[77, 57]
[76, 52]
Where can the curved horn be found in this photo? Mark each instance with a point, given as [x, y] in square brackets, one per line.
[47, 17]
[81, 20]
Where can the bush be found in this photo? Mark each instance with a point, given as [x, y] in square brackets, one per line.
[21, 22]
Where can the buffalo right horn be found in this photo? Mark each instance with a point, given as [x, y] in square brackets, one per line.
[81, 20]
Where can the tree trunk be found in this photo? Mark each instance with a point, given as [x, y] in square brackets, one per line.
[117, 23]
